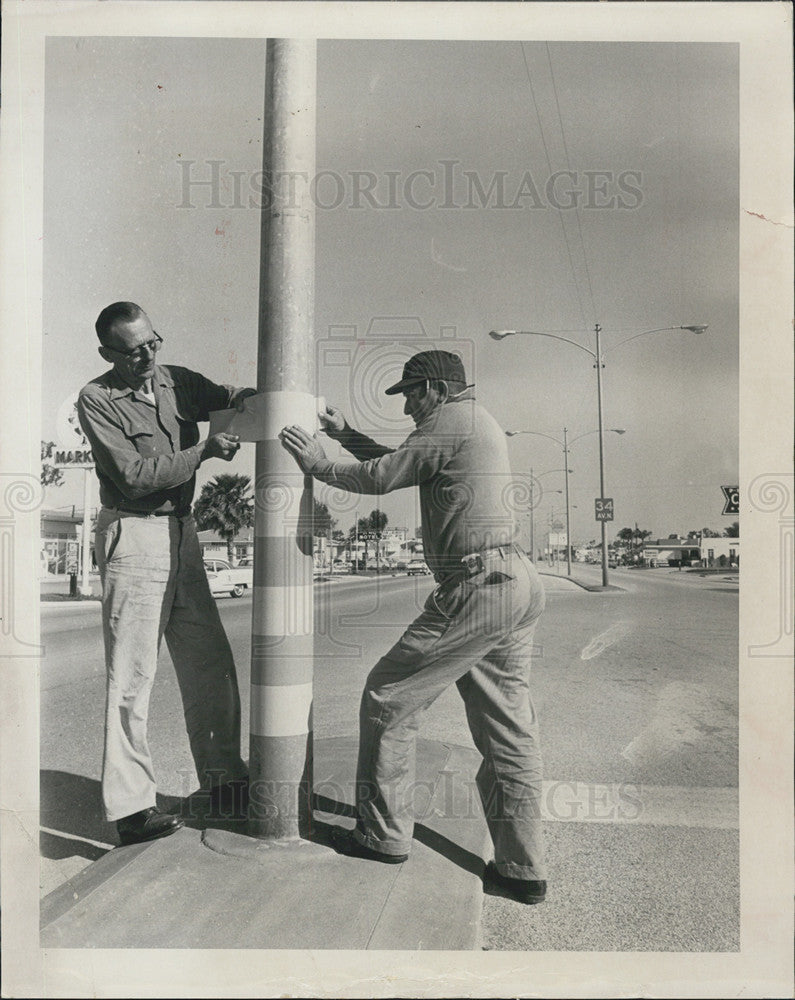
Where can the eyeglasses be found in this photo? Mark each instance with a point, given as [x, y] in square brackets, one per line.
[152, 346]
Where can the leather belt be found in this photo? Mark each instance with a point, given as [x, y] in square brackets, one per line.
[477, 562]
[183, 512]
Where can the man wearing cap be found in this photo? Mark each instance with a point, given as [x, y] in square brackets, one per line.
[476, 628]
[140, 419]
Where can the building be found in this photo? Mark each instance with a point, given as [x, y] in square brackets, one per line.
[61, 533]
[212, 545]
[692, 552]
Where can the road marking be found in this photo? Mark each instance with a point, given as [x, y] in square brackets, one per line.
[637, 804]
[606, 639]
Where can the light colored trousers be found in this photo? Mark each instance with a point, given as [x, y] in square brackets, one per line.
[154, 584]
[477, 633]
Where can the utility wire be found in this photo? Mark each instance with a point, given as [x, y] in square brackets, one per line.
[549, 168]
[568, 167]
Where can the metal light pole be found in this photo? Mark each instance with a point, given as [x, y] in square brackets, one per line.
[282, 649]
[565, 445]
[533, 503]
[603, 524]
[568, 508]
[696, 328]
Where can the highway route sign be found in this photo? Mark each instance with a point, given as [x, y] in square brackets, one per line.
[731, 495]
[604, 508]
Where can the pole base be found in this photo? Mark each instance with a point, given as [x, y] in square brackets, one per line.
[248, 848]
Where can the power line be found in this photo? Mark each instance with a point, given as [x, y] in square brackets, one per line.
[568, 167]
[549, 167]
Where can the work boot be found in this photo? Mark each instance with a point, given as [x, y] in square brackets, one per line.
[523, 890]
[344, 842]
[148, 824]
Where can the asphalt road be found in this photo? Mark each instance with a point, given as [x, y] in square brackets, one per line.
[636, 690]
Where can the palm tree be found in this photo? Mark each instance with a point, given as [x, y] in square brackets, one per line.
[226, 507]
[50, 474]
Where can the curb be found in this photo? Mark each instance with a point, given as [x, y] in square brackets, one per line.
[179, 892]
[593, 588]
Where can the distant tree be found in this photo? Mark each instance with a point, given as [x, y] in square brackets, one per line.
[225, 506]
[50, 476]
[322, 520]
[377, 520]
[733, 531]
[703, 533]
[626, 534]
[674, 536]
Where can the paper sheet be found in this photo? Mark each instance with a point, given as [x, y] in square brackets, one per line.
[264, 415]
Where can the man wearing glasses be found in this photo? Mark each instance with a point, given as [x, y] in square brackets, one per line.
[141, 419]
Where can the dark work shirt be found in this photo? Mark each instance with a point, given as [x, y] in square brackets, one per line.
[147, 455]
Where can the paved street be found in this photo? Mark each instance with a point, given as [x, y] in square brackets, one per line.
[637, 693]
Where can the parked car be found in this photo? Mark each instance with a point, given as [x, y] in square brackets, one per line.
[417, 567]
[226, 579]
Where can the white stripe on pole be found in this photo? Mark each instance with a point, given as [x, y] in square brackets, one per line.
[281, 709]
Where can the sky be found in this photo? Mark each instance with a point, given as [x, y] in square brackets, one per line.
[439, 217]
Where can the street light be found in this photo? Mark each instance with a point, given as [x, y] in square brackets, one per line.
[696, 328]
[565, 445]
[532, 505]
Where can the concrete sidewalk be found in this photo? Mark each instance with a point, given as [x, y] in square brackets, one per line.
[212, 888]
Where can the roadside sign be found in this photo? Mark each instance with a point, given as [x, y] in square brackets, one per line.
[604, 508]
[73, 458]
[731, 495]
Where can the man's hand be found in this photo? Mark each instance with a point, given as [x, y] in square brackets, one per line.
[239, 398]
[304, 448]
[332, 420]
[224, 446]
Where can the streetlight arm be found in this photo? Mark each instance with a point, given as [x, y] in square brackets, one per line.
[501, 334]
[608, 430]
[695, 328]
[536, 433]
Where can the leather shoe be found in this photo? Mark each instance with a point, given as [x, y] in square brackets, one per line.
[523, 890]
[344, 842]
[148, 824]
[229, 800]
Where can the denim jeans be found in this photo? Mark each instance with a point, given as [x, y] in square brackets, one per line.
[478, 633]
[154, 584]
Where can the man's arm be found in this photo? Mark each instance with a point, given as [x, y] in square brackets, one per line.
[359, 445]
[211, 396]
[415, 461]
[134, 475]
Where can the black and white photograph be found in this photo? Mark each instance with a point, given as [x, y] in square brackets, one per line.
[397, 481]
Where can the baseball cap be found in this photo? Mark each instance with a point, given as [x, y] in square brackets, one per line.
[429, 365]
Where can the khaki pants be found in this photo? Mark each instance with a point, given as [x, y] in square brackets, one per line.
[478, 634]
[154, 584]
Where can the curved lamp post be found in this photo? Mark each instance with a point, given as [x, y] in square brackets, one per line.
[532, 505]
[598, 360]
[565, 445]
